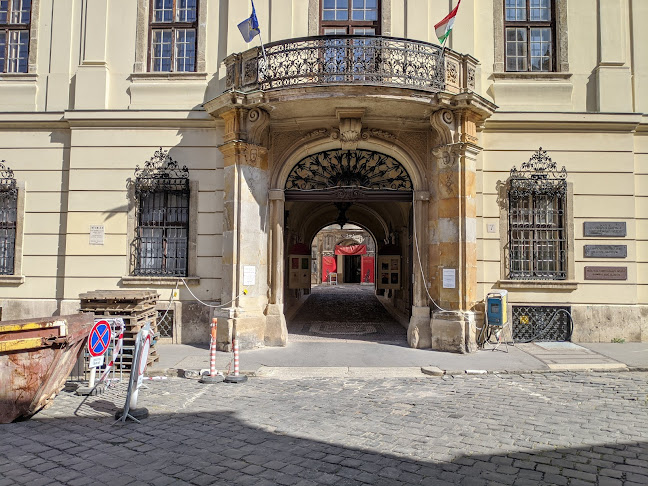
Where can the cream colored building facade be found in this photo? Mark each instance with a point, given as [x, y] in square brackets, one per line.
[90, 110]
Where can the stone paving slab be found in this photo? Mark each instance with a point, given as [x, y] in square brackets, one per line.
[569, 356]
[632, 354]
[564, 428]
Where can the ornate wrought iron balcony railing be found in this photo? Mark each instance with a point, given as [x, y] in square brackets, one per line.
[351, 60]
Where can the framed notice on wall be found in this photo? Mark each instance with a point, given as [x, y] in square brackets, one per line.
[388, 274]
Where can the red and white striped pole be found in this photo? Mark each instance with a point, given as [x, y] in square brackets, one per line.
[214, 376]
[235, 378]
[212, 348]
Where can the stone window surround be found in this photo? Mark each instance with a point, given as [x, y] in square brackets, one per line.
[17, 278]
[560, 44]
[191, 277]
[568, 285]
[33, 46]
[141, 67]
[314, 17]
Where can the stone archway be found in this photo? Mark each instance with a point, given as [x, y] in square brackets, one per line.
[366, 178]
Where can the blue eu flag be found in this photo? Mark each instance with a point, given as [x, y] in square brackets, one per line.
[250, 27]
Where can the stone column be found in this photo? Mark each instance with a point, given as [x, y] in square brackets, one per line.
[418, 331]
[453, 328]
[91, 85]
[276, 333]
[245, 240]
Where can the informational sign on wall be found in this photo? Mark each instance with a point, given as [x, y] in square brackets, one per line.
[97, 232]
[249, 275]
[449, 278]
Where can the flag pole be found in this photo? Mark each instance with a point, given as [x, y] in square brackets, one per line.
[265, 58]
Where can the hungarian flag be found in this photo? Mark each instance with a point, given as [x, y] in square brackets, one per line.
[444, 27]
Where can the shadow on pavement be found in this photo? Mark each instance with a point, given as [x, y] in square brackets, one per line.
[219, 448]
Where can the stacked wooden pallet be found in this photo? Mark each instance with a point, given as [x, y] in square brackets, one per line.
[135, 307]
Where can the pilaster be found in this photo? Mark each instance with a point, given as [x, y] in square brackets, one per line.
[245, 234]
[454, 247]
[613, 74]
[92, 77]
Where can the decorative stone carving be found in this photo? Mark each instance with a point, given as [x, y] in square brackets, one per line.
[447, 155]
[230, 76]
[470, 79]
[443, 121]
[350, 127]
[375, 132]
[319, 133]
[257, 123]
[452, 73]
[250, 70]
[349, 133]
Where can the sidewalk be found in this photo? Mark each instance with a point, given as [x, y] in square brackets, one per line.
[328, 358]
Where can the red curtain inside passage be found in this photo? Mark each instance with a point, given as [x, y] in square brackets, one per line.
[351, 250]
[367, 269]
[329, 265]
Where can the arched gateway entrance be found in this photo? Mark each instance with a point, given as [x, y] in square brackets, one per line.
[397, 155]
[340, 187]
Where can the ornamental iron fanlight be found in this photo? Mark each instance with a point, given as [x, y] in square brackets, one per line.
[161, 173]
[538, 176]
[355, 170]
[8, 186]
[349, 59]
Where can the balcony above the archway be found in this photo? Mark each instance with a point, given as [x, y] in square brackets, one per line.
[313, 83]
[348, 59]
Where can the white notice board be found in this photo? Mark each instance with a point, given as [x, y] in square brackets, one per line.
[449, 278]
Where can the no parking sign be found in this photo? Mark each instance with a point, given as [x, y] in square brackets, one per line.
[98, 342]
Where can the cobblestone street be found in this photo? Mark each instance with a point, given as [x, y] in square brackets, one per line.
[555, 428]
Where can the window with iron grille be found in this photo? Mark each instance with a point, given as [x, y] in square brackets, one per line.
[529, 30]
[173, 35]
[8, 219]
[160, 247]
[15, 18]
[537, 239]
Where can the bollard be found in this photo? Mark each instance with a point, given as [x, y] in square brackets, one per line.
[236, 378]
[214, 376]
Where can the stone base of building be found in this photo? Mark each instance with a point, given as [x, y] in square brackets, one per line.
[453, 332]
[604, 323]
[418, 331]
[276, 332]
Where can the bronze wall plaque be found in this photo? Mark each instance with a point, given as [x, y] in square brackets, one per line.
[606, 273]
[613, 229]
[606, 251]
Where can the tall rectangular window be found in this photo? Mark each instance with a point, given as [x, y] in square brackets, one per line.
[174, 25]
[353, 17]
[15, 18]
[529, 30]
